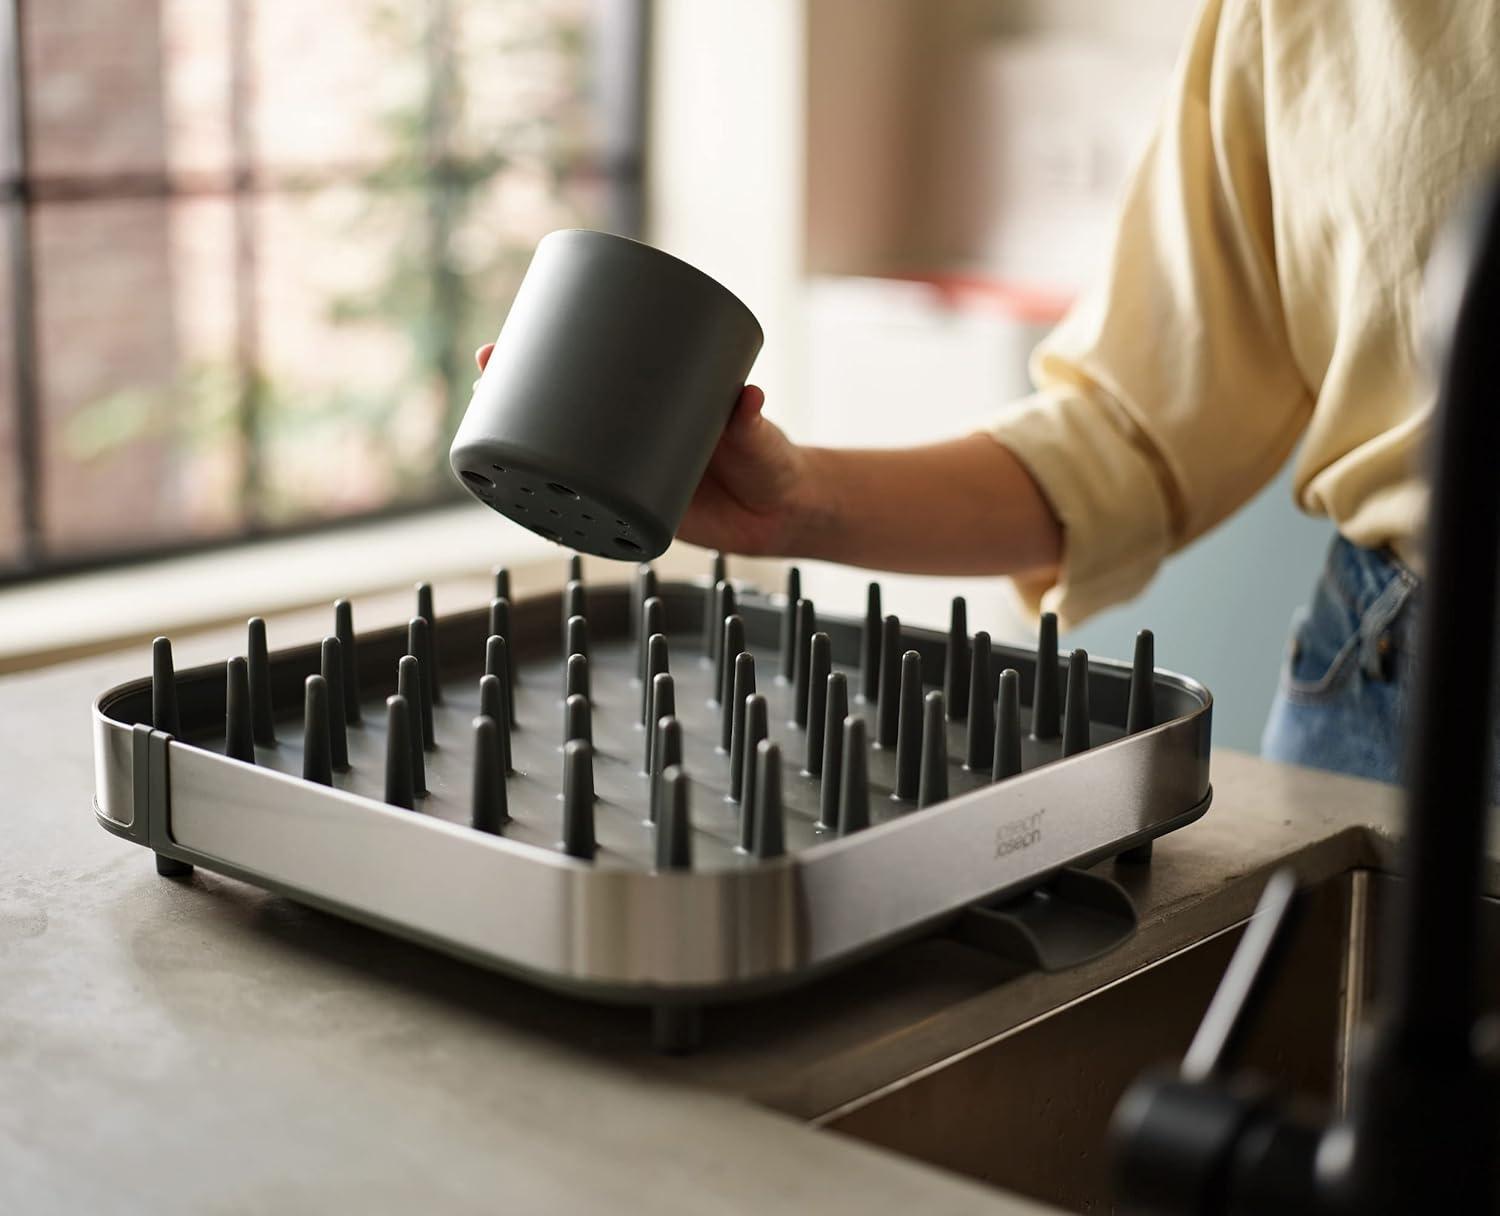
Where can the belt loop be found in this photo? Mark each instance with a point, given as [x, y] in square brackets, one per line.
[1374, 643]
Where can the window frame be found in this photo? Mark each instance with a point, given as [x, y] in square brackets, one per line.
[620, 69]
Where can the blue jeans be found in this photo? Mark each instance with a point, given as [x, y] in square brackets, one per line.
[1346, 677]
[1346, 681]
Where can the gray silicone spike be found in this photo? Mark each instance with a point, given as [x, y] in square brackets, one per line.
[854, 780]
[500, 628]
[430, 660]
[1076, 713]
[490, 809]
[653, 621]
[956, 661]
[164, 713]
[239, 739]
[1007, 761]
[663, 705]
[756, 729]
[332, 666]
[574, 603]
[577, 723]
[979, 748]
[492, 704]
[343, 629]
[258, 660]
[1141, 715]
[419, 646]
[789, 623]
[578, 799]
[888, 712]
[744, 686]
[409, 689]
[807, 624]
[869, 646]
[497, 663]
[819, 664]
[577, 637]
[576, 677]
[729, 649]
[317, 754]
[909, 732]
[400, 784]
[499, 618]
[666, 752]
[575, 568]
[933, 785]
[674, 829]
[1044, 707]
[656, 663]
[725, 604]
[770, 816]
[835, 710]
[1142, 712]
[502, 583]
[713, 613]
[645, 589]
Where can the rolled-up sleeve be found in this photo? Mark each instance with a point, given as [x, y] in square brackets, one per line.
[1168, 396]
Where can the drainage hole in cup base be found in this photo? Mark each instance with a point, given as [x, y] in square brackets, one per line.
[557, 487]
[624, 542]
[527, 490]
[478, 479]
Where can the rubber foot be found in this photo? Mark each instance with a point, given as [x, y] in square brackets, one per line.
[170, 867]
[1138, 856]
[676, 1029]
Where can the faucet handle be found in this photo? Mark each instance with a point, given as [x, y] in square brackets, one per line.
[1187, 1144]
[1242, 991]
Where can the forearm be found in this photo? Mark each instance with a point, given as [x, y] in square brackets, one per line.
[963, 507]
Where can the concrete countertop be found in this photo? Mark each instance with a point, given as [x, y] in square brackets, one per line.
[201, 1046]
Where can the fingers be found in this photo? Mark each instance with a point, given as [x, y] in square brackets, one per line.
[748, 408]
[752, 400]
[482, 355]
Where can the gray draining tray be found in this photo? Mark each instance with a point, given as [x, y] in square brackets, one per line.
[612, 928]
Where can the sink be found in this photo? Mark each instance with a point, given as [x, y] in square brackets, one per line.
[1028, 1110]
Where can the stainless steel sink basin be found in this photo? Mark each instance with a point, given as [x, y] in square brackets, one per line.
[1028, 1110]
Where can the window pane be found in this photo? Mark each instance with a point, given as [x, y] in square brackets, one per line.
[135, 321]
[349, 418]
[522, 77]
[94, 86]
[195, 66]
[336, 84]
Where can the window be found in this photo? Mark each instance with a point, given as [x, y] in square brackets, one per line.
[250, 245]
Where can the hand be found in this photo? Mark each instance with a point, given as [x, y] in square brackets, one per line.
[756, 488]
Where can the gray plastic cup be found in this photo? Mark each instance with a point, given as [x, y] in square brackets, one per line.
[612, 379]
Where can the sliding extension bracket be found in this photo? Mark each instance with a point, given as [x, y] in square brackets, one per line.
[1073, 917]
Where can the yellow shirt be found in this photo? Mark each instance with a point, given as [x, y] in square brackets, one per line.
[1264, 287]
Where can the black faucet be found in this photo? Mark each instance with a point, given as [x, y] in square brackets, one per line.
[1420, 1131]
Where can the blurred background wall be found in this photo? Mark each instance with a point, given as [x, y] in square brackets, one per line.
[249, 246]
[910, 192]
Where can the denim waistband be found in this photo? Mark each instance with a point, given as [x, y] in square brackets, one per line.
[1375, 585]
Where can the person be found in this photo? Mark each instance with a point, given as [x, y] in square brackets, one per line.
[1262, 289]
